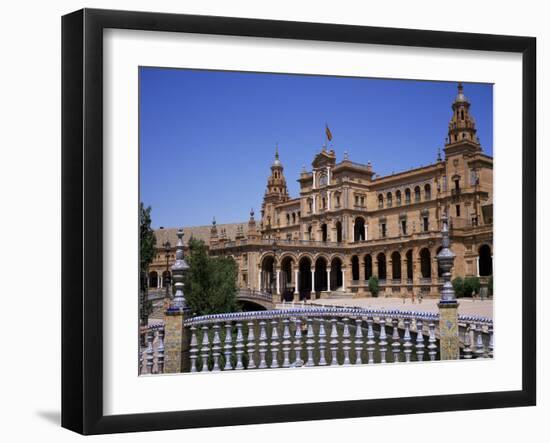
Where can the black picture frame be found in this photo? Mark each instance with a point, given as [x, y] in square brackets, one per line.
[82, 190]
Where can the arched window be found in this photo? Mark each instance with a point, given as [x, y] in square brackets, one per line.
[381, 259]
[287, 219]
[359, 229]
[355, 268]
[368, 266]
[485, 261]
[338, 232]
[293, 217]
[309, 236]
[417, 194]
[389, 199]
[427, 192]
[425, 263]
[398, 198]
[380, 201]
[407, 196]
[324, 232]
[396, 266]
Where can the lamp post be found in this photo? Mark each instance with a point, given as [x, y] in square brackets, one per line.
[167, 279]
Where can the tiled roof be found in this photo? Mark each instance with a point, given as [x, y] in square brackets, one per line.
[198, 232]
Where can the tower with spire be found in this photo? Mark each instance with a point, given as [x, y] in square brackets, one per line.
[462, 136]
[276, 191]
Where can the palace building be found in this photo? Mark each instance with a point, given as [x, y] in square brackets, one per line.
[348, 224]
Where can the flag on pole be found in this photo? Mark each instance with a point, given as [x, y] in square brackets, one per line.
[327, 131]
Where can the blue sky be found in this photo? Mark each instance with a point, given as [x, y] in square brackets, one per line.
[207, 138]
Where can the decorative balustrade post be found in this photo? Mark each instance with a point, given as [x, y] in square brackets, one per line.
[239, 347]
[322, 342]
[480, 347]
[193, 349]
[370, 340]
[334, 342]
[251, 345]
[177, 337]
[205, 348]
[383, 342]
[432, 347]
[150, 352]
[286, 343]
[228, 346]
[274, 344]
[298, 343]
[216, 348]
[160, 351]
[419, 340]
[346, 342]
[448, 305]
[407, 342]
[467, 350]
[358, 343]
[395, 344]
[262, 345]
[310, 342]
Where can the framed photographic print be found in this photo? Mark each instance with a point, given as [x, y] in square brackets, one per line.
[269, 221]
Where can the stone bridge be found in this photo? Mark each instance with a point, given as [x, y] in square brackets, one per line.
[260, 298]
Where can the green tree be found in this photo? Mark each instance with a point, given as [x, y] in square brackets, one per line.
[147, 243]
[374, 287]
[210, 282]
[471, 286]
[458, 286]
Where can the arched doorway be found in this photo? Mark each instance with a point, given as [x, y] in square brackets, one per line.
[409, 259]
[355, 268]
[396, 266]
[485, 261]
[425, 263]
[268, 283]
[359, 229]
[368, 266]
[381, 260]
[287, 283]
[336, 281]
[153, 279]
[339, 232]
[304, 278]
[321, 283]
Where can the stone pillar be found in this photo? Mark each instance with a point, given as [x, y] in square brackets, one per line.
[259, 280]
[296, 285]
[278, 281]
[477, 265]
[448, 305]
[176, 336]
[312, 279]
[362, 271]
[328, 280]
[343, 279]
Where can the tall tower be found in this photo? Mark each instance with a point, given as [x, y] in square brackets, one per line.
[462, 127]
[275, 193]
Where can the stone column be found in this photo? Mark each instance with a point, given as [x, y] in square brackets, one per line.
[448, 305]
[278, 281]
[312, 279]
[259, 280]
[328, 280]
[477, 265]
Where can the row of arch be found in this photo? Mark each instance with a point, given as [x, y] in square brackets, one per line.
[155, 280]
[388, 198]
[305, 275]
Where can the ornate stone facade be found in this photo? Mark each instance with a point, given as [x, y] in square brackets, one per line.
[349, 224]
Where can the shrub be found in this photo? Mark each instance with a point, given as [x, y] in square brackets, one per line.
[471, 286]
[374, 288]
[458, 286]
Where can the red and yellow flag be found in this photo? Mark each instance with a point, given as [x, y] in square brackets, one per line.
[327, 131]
